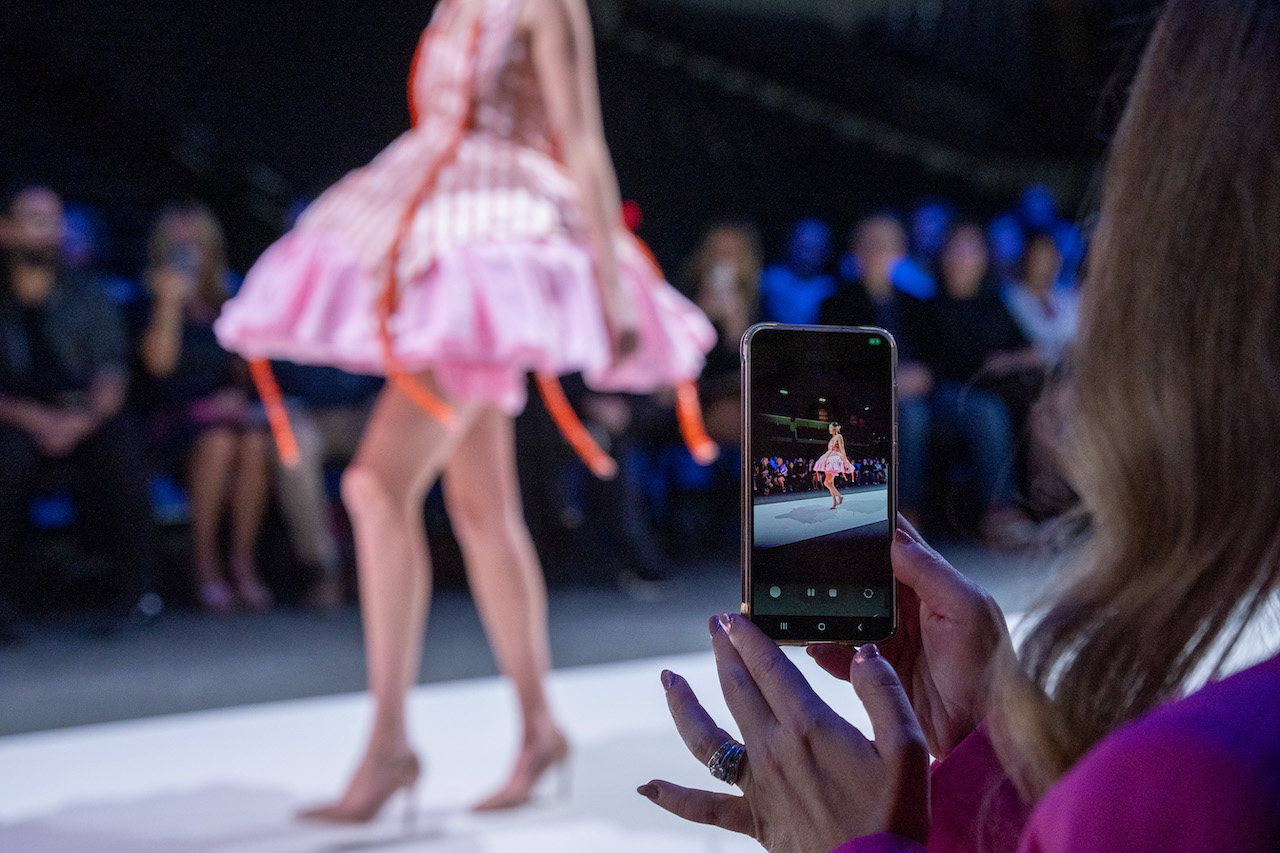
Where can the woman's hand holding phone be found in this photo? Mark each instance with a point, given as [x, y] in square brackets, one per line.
[810, 780]
[951, 636]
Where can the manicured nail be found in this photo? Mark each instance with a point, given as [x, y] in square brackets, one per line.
[866, 652]
[668, 679]
[714, 625]
[726, 621]
[650, 791]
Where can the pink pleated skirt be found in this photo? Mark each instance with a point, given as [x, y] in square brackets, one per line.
[834, 462]
[480, 317]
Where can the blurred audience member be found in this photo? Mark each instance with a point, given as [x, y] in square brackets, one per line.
[879, 244]
[613, 511]
[972, 342]
[63, 382]
[327, 410]
[1045, 312]
[83, 246]
[723, 277]
[205, 390]
[930, 220]
[790, 292]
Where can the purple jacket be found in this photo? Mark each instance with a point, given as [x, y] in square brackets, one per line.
[1202, 773]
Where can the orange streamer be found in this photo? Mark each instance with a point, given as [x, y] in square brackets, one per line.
[388, 299]
[600, 463]
[277, 416]
[689, 414]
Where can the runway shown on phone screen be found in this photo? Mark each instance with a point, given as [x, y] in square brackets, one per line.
[784, 519]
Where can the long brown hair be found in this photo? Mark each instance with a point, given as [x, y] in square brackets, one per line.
[212, 275]
[746, 268]
[1174, 436]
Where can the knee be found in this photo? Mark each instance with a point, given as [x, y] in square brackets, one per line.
[367, 489]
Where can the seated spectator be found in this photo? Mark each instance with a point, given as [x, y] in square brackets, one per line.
[931, 220]
[1045, 312]
[723, 277]
[205, 395]
[327, 410]
[1139, 711]
[792, 291]
[879, 244]
[63, 382]
[972, 343]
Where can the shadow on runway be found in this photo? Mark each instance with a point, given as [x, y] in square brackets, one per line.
[222, 818]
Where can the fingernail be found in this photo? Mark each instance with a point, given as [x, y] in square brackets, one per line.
[866, 652]
[668, 679]
[902, 537]
[714, 625]
[650, 791]
[726, 621]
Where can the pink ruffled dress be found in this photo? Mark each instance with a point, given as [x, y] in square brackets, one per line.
[474, 226]
[833, 460]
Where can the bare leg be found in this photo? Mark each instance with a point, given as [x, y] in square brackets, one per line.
[483, 497]
[831, 487]
[208, 475]
[248, 504]
[400, 456]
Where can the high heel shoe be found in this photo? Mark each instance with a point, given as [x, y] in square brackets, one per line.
[402, 776]
[530, 769]
[216, 597]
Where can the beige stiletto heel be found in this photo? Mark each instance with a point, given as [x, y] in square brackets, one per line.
[404, 777]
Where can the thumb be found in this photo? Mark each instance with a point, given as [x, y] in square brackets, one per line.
[893, 722]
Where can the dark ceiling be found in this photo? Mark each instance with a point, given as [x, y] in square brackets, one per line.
[131, 103]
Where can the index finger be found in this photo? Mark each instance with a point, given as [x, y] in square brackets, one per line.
[784, 689]
[934, 581]
[741, 692]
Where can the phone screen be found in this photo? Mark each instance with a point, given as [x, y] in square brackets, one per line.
[819, 482]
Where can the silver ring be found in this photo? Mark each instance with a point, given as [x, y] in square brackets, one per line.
[726, 764]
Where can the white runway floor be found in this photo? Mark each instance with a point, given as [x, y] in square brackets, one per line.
[230, 780]
[809, 514]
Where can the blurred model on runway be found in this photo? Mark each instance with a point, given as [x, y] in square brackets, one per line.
[483, 244]
[833, 463]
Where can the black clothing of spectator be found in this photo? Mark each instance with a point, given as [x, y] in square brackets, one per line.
[962, 334]
[900, 315]
[52, 353]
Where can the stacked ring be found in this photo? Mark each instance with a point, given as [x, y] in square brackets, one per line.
[726, 764]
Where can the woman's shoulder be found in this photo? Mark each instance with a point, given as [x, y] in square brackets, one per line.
[1199, 773]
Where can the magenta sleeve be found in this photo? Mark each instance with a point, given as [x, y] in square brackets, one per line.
[974, 806]
[1173, 788]
[881, 842]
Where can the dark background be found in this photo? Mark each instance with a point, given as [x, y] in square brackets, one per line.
[765, 109]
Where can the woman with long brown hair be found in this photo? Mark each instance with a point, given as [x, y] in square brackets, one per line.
[205, 392]
[1116, 726]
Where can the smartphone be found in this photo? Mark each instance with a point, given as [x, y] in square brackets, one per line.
[819, 455]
